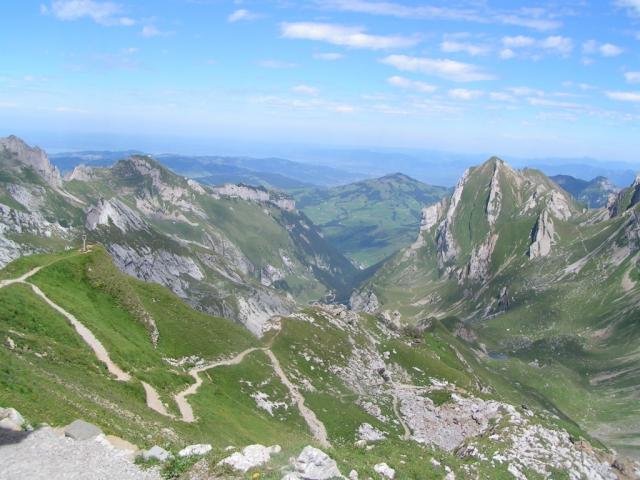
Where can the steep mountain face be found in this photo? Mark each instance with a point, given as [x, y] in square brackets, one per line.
[370, 220]
[35, 210]
[235, 251]
[547, 290]
[594, 193]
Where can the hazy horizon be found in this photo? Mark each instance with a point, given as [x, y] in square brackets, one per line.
[533, 81]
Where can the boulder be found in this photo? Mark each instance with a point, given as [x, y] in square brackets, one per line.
[8, 424]
[12, 415]
[156, 453]
[198, 449]
[251, 457]
[81, 430]
[384, 470]
[369, 433]
[353, 475]
[314, 464]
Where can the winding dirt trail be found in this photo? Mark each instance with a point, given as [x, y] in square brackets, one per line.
[317, 428]
[181, 398]
[396, 408]
[86, 334]
[153, 400]
[101, 353]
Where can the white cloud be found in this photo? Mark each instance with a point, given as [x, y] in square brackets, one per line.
[624, 96]
[525, 91]
[633, 5]
[507, 53]
[464, 94]
[591, 47]
[242, 15]
[610, 50]
[544, 102]
[452, 46]
[444, 68]
[103, 13]
[343, 108]
[328, 56]
[305, 90]
[354, 37]
[402, 82]
[501, 97]
[558, 43]
[537, 19]
[149, 31]
[632, 77]
[518, 41]
[276, 64]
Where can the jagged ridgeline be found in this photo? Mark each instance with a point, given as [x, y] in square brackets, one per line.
[240, 252]
[548, 290]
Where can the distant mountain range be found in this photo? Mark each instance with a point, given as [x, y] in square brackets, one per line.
[371, 219]
[593, 194]
[275, 173]
[332, 167]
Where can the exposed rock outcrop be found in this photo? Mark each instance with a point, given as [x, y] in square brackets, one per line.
[494, 202]
[542, 236]
[480, 261]
[251, 457]
[447, 248]
[33, 157]
[314, 464]
[364, 301]
[115, 212]
[255, 194]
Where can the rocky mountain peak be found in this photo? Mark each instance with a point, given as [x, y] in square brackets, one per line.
[33, 157]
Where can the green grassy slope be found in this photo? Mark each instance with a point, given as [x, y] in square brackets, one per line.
[51, 375]
[370, 220]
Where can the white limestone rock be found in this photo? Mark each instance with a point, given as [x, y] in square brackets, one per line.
[369, 433]
[251, 456]
[156, 453]
[542, 236]
[385, 470]
[364, 301]
[198, 449]
[314, 464]
[33, 157]
[113, 211]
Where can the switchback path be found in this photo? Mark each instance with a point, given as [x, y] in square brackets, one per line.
[316, 427]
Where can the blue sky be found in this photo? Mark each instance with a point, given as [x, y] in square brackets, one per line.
[511, 78]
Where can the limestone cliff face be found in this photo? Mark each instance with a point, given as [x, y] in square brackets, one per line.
[364, 301]
[542, 236]
[494, 202]
[14, 222]
[114, 212]
[255, 194]
[480, 262]
[447, 248]
[33, 157]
